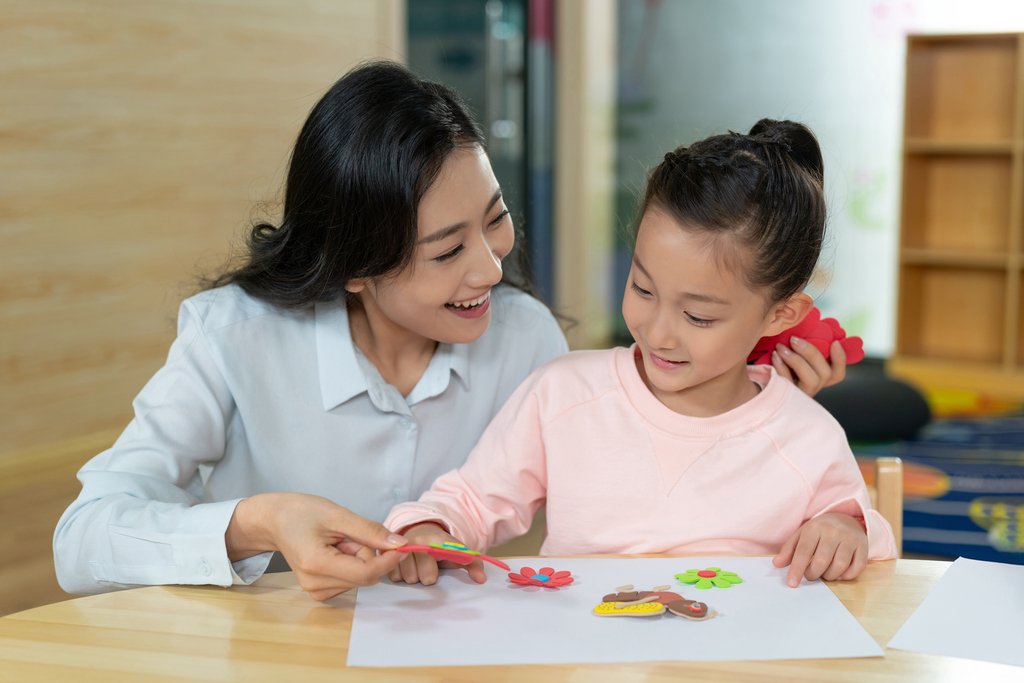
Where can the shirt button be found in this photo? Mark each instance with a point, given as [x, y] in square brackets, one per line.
[407, 423]
[205, 569]
[399, 493]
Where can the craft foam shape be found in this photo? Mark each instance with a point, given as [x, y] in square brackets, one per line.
[619, 609]
[691, 609]
[708, 577]
[820, 333]
[664, 597]
[546, 577]
[457, 553]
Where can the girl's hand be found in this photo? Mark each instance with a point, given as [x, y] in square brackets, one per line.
[831, 546]
[330, 548]
[421, 567]
[813, 372]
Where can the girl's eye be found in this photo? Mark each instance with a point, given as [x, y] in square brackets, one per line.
[639, 290]
[700, 322]
[500, 217]
[451, 254]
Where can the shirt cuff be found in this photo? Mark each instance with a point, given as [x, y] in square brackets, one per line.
[200, 552]
[406, 515]
[248, 570]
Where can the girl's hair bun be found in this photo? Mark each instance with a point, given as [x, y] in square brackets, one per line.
[796, 140]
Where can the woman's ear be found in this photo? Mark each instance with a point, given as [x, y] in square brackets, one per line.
[787, 314]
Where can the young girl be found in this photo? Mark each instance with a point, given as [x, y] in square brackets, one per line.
[676, 445]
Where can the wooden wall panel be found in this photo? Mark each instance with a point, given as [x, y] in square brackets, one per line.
[134, 138]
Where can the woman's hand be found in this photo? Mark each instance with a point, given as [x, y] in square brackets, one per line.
[421, 567]
[813, 372]
[830, 546]
[330, 548]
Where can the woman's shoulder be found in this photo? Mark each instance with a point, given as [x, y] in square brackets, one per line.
[221, 307]
[521, 327]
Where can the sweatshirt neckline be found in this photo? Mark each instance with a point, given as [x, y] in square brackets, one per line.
[740, 419]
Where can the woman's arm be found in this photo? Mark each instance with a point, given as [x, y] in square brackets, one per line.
[140, 518]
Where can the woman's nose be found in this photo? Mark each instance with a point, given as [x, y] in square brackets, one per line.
[485, 270]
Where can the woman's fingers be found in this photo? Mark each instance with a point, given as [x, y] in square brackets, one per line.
[365, 531]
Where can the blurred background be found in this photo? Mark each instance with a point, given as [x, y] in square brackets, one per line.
[138, 139]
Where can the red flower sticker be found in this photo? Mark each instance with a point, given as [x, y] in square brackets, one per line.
[545, 578]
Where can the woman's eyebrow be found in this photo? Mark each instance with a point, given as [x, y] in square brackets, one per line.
[703, 298]
[452, 229]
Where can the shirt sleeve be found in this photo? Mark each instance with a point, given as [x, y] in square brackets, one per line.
[492, 498]
[842, 490]
[141, 518]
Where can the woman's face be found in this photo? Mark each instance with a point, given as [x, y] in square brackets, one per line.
[464, 232]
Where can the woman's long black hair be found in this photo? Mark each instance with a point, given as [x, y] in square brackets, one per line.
[363, 161]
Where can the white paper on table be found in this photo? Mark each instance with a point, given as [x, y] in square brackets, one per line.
[458, 622]
[975, 611]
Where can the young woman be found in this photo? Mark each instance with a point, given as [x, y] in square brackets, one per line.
[357, 354]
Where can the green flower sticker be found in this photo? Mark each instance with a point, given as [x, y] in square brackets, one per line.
[712, 576]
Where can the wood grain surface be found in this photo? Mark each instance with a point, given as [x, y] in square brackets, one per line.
[272, 631]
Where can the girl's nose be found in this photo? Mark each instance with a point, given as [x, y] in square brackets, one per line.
[661, 330]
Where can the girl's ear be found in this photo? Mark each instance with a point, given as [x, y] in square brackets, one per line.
[788, 314]
[357, 285]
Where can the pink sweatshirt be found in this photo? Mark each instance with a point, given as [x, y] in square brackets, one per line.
[622, 473]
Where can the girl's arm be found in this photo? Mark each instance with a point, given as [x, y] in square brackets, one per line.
[492, 498]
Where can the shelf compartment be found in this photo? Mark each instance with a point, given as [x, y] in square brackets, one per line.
[961, 88]
[1020, 326]
[952, 314]
[978, 147]
[954, 257]
[956, 202]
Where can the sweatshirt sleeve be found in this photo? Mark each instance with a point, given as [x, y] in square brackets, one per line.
[842, 489]
[492, 498]
[140, 518]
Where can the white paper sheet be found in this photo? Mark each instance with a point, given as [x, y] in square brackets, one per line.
[975, 611]
[459, 622]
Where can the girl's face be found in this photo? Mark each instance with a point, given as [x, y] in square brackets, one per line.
[694, 321]
[464, 233]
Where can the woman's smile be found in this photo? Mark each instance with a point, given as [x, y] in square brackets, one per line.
[471, 308]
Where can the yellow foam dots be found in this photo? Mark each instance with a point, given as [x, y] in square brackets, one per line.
[645, 609]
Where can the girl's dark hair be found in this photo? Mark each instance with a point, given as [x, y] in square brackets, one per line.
[764, 189]
[364, 158]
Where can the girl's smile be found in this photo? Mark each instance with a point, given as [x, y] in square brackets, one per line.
[666, 364]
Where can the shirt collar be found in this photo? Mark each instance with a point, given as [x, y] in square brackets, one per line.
[341, 378]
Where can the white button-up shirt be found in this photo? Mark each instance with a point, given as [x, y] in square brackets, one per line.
[256, 399]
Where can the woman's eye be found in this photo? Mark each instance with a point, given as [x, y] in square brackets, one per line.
[451, 254]
[499, 218]
[700, 322]
[639, 290]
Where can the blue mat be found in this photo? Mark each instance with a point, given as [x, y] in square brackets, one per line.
[963, 487]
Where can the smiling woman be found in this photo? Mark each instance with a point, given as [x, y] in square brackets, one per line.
[332, 367]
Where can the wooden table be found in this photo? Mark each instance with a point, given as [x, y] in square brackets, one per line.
[273, 631]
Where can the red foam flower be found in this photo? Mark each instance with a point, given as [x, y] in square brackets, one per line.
[820, 333]
[546, 577]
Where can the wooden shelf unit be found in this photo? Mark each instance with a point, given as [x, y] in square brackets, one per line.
[960, 320]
